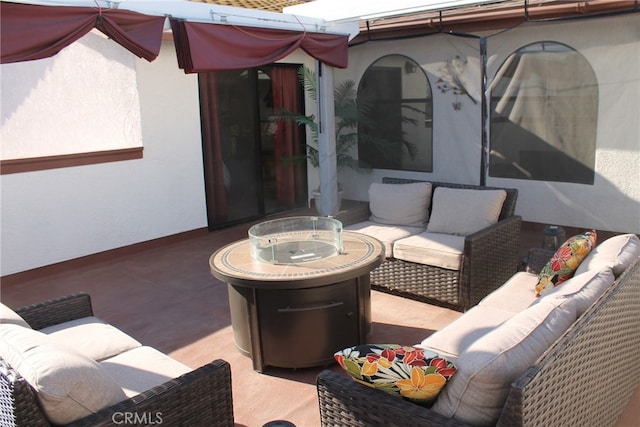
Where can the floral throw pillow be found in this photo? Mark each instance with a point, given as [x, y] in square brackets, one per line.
[565, 261]
[413, 373]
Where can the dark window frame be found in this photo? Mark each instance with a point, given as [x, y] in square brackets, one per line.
[383, 149]
[544, 133]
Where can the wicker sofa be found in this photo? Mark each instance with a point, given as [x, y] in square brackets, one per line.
[487, 256]
[584, 377]
[169, 393]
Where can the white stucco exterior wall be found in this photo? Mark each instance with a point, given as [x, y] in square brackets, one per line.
[60, 214]
[455, 133]
[612, 47]
[78, 101]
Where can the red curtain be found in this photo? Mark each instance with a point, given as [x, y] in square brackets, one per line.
[29, 32]
[208, 47]
[289, 178]
[212, 149]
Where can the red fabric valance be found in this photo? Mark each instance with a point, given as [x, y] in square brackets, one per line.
[202, 47]
[31, 32]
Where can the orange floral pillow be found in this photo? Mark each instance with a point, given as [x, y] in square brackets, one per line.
[413, 373]
[565, 261]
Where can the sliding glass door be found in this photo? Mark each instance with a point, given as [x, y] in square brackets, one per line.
[246, 172]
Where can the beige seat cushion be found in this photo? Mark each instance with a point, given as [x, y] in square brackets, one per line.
[464, 211]
[616, 253]
[92, 337]
[387, 234]
[68, 384]
[478, 390]
[457, 336]
[435, 249]
[515, 295]
[143, 368]
[7, 315]
[400, 204]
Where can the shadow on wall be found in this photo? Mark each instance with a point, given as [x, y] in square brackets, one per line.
[520, 154]
[21, 79]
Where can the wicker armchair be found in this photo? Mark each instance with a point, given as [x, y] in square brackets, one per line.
[201, 397]
[566, 386]
[490, 257]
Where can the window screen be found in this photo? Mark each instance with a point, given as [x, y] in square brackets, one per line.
[544, 110]
[395, 111]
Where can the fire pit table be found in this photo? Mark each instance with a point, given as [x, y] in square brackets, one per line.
[299, 290]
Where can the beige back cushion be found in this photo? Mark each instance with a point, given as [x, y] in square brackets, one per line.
[616, 253]
[478, 390]
[464, 211]
[68, 384]
[516, 294]
[454, 339]
[400, 204]
[92, 337]
[583, 289]
[7, 315]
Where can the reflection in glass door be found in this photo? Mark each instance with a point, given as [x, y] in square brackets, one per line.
[267, 141]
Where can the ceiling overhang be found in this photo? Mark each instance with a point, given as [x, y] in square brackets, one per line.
[364, 10]
[409, 18]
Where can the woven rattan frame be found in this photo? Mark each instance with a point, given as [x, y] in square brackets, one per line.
[55, 311]
[201, 397]
[588, 375]
[585, 378]
[346, 403]
[490, 257]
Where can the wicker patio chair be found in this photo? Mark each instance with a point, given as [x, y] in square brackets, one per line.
[201, 397]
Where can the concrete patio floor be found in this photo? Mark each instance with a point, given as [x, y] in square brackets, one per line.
[166, 297]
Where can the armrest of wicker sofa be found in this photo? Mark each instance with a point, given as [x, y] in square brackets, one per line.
[19, 404]
[537, 259]
[558, 390]
[357, 212]
[490, 259]
[201, 397]
[346, 403]
[59, 310]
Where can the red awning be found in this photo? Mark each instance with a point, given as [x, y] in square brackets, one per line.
[29, 32]
[204, 47]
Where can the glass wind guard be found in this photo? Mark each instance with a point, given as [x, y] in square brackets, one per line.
[295, 240]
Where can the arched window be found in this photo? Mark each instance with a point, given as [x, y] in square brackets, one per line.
[395, 111]
[544, 111]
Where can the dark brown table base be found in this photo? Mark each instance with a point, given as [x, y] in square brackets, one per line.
[299, 316]
[300, 328]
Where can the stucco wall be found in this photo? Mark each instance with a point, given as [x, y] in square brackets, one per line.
[77, 102]
[56, 215]
[60, 214]
[613, 202]
[612, 48]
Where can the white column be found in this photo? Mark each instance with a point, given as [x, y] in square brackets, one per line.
[327, 141]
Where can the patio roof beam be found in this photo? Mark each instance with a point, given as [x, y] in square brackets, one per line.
[364, 10]
[487, 18]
